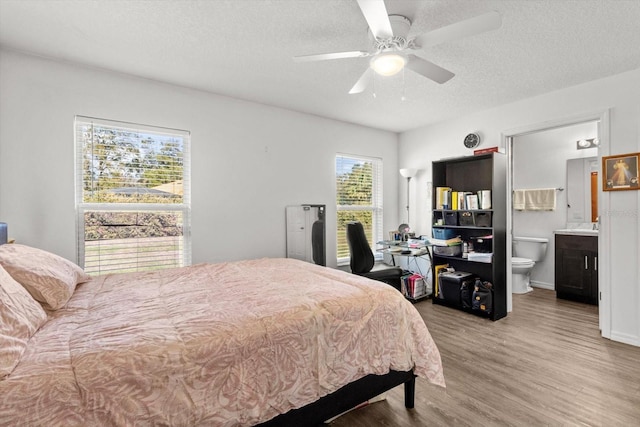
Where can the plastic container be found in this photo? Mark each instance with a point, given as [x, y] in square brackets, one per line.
[443, 233]
[448, 250]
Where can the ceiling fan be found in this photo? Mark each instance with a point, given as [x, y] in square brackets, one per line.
[392, 50]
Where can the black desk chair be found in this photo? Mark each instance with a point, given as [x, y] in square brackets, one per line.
[362, 260]
[317, 243]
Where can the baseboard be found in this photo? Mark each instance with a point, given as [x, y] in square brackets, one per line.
[625, 338]
[543, 285]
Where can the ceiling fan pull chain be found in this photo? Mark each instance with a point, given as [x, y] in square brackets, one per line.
[402, 98]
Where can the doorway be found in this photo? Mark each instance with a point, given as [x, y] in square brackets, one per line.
[541, 162]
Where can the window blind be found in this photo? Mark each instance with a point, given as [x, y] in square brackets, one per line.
[132, 196]
[358, 198]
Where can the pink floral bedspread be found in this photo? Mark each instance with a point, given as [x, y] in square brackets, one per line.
[212, 345]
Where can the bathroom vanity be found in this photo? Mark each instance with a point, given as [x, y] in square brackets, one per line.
[576, 265]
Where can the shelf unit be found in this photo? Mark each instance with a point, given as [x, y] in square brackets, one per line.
[473, 174]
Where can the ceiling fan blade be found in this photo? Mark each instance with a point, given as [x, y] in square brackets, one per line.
[375, 12]
[336, 55]
[428, 69]
[362, 82]
[479, 24]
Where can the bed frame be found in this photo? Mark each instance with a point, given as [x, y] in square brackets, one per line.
[346, 398]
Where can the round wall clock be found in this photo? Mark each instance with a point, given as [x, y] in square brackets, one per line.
[472, 140]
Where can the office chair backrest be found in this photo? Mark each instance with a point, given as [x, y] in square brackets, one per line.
[361, 255]
[3, 233]
[317, 243]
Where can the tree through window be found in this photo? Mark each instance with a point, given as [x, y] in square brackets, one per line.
[358, 198]
[132, 195]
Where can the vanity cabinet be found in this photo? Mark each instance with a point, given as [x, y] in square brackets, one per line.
[473, 174]
[576, 274]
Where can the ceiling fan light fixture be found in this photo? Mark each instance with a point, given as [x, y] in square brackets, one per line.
[388, 64]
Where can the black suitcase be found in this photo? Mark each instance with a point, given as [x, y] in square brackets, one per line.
[451, 285]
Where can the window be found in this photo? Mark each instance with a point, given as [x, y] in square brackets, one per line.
[132, 196]
[358, 198]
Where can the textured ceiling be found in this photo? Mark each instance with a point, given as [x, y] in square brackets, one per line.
[244, 49]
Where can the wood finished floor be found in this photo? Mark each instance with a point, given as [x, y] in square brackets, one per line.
[545, 364]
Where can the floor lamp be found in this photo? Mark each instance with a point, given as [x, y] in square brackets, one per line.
[408, 173]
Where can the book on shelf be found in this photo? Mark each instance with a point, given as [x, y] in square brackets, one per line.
[472, 201]
[446, 242]
[448, 199]
[441, 193]
[461, 200]
[484, 199]
[487, 151]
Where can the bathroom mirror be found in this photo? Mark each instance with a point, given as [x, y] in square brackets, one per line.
[582, 190]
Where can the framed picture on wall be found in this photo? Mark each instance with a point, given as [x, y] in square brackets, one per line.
[620, 172]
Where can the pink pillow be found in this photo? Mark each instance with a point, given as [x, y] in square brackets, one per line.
[20, 318]
[49, 278]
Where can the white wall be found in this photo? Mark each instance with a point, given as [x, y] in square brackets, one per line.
[540, 161]
[620, 231]
[249, 160]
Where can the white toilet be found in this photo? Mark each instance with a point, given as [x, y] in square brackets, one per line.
[526, 251]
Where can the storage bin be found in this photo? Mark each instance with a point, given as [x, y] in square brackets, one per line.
[482, 244]
[438, 218]
[451, 218]
[450, 286]
[465, 218]
[443, 233]
[482, 219]
[455, 250]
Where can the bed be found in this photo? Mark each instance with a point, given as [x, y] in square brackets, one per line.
[267, 341]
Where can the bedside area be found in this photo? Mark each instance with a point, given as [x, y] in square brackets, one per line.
[576, 265]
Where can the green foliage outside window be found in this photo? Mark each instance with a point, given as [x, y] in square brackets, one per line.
[132, 200]
[354, 191]
[123, 166]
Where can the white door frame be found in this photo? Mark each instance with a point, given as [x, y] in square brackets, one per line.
[604, 262]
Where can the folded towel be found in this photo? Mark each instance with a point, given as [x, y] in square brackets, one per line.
[518, 200]
[540, 199]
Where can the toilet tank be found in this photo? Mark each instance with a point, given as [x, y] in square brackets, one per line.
[533, 248]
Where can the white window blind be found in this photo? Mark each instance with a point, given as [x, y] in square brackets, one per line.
[358, 198]
[132, 196]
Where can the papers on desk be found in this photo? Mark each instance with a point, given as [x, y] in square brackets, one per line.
[390, 242]
[419, 251]
[446, 242]
[405, 251]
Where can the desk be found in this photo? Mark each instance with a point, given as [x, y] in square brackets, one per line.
[413, 252]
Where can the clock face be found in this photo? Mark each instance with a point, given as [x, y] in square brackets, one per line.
[472, 140]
